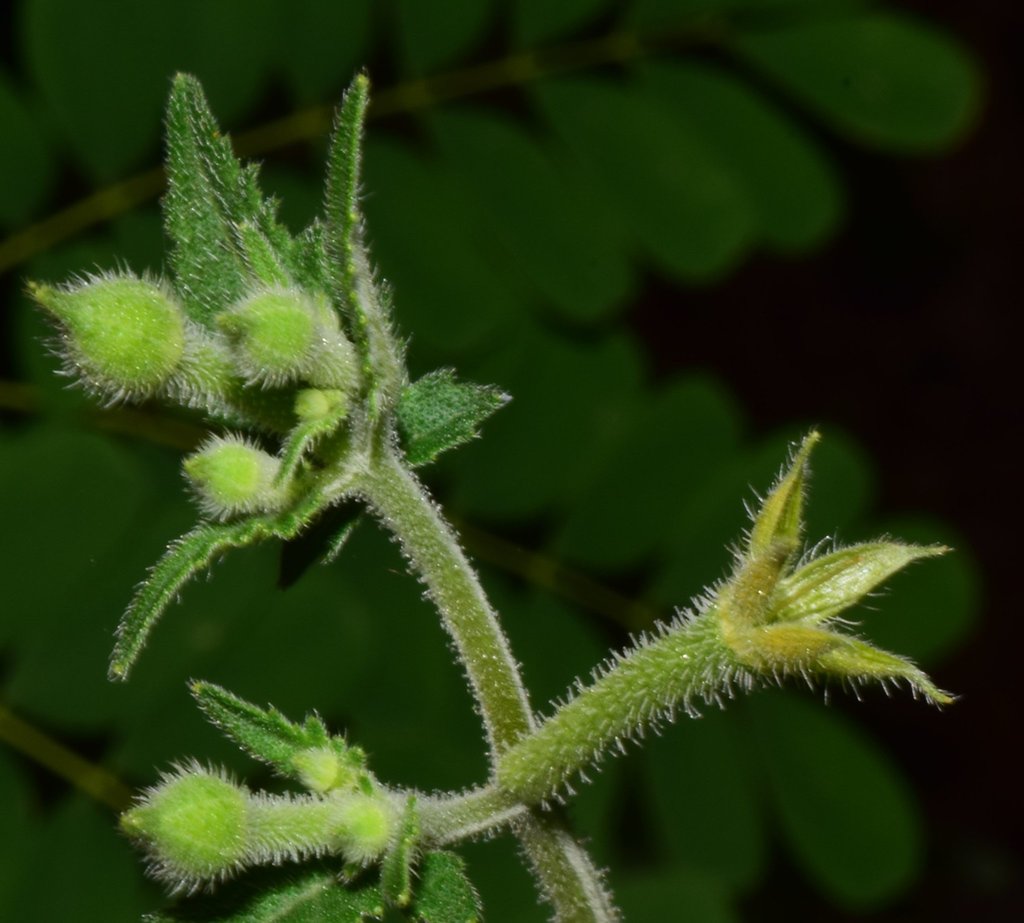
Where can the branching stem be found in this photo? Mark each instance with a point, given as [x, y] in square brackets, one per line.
[566, 874]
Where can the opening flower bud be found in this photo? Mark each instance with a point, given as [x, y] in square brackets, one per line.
[230, 476]
[126, 336]
[194, 826]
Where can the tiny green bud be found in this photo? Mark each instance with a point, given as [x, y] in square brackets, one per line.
[232, 477]
[323, 769]
[314, 405]
[365, 824]
[194, 825]
[125, 336]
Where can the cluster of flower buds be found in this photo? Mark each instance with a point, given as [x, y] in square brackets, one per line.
[277, 360]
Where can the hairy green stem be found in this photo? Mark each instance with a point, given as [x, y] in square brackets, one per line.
[434, 553]
[565, 873]
[637, 690]
[446, 819]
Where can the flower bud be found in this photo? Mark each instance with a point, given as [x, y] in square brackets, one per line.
[194, 825]
[324, 769]
[125, 336]
[316, 405]
[273, 333]
[364, 824]
[232, 477]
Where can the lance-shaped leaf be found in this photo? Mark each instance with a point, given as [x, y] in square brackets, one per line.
[213, 210]
[437, 413]
[307, 752]
[202, 202]
[825, 586]
[191, 553]
[364, 306]
[310, 895]
[444, 893]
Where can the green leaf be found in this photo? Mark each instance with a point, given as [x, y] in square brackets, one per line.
[78, 57]
[842, 488]
[705, 799]
[888, 80]
[16, 832]
[571, 404]
[667, 14]
[676, 441]
[683, 207]
[437, 413]
[91, 871]
[677, 893]
[444, 893]
[446, 287]
[396, 879]
[270, 737]
[25, 158]
[710, 516]
[203, 202]
[342, 214]
[847, 814]
[789, 184]
[432, 36]
[332, 37]
[309, 895]
[126, 58]
[539, 21]
[69, 502]
[188, 555]
[553, 234]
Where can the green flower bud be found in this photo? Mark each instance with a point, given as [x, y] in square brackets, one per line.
[273, 333]
[323, 769]
[313, 405]
[194, 825]
[232, 477]
[365, 824]
[281, 336]
[125, 336]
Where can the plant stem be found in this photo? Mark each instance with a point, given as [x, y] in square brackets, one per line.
[448, 819]
[434, 554]
[567, 874]
[564, 872]
[639, 689]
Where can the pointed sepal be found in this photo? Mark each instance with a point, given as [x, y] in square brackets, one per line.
[781, 617]
[779, 521]
[826, 585]
[771, 545]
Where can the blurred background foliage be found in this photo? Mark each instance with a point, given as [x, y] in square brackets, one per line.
[531, 168]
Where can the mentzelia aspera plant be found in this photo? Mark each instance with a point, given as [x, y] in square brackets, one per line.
[286, 345]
